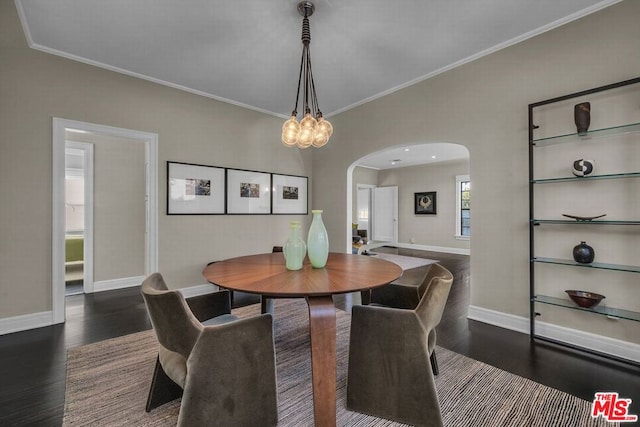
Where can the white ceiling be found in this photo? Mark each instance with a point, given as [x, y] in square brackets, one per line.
[248, 52]
[412, 155]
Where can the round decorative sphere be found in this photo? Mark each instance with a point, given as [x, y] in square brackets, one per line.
[583, 253]
[582, 167]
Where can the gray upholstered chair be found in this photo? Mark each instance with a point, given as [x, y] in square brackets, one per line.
[389, 374]
[225, 366]
[405, 293]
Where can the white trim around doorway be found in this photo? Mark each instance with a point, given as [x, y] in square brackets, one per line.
[58, 217]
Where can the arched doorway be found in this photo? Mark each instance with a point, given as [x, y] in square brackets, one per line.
[437, 170]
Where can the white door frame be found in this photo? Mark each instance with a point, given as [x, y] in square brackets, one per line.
[87, 269]
[58, 209]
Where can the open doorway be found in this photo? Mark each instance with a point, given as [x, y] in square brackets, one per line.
[78, 217]
[431, 168]
[144, 222]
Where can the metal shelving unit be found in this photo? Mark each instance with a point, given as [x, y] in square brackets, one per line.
[593, 136]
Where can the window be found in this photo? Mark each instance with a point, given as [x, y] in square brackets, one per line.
[463, 206]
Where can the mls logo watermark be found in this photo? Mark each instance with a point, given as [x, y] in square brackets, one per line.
[612, 408]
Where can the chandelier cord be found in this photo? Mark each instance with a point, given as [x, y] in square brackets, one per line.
[312, 129]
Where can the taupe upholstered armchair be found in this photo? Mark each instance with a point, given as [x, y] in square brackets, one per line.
[389, 374]
[224, 366]
[406, 293]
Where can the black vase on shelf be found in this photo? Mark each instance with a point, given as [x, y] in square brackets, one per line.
[582, 116]
[583, 253]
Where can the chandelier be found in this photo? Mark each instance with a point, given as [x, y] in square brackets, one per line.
[313, 129]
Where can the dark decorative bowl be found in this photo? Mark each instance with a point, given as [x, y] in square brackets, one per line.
[585, 299]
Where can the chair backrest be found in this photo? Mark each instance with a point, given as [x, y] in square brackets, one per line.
[436, 292]
[175, 325]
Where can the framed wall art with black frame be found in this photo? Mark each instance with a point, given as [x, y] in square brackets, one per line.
[425, 203]
[195, 189]
[248, 192]
[289, 194]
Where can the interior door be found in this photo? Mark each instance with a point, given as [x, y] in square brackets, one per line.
[385, 214]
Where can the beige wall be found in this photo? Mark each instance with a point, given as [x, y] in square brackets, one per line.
[483, 105]
[35, 87]
[430, 230]
[119, 206]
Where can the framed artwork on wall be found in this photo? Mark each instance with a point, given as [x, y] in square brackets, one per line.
[425, 203]
[248, 192]
[195, 189]
[289, 194]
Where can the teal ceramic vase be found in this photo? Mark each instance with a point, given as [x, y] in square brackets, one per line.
[317, 241]
[294, 248]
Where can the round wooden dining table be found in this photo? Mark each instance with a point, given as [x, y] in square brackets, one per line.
[267, 275]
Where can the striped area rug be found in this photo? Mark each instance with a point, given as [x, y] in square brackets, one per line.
[107, 384]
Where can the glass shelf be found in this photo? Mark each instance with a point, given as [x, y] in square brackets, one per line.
[588, 178]
[573, 222]
[598, 133]
[605, 311]
[600, 265]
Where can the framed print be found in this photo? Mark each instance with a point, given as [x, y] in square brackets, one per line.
[248, 192]
[195, 189]
[425, 203]
[289, 194]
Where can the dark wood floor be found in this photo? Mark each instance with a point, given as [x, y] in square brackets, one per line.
[32, 363]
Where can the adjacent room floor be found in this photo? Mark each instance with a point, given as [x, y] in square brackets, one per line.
[32, 363]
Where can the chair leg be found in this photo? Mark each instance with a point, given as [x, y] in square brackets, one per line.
[366, 297]
[163, 389]
[266, 305]
[434, 363]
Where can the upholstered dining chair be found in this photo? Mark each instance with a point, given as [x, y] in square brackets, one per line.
[224, 366]
[405, 293]
[389, 374]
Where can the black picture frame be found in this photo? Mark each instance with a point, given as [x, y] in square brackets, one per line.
[248, 192]
[425, 203]
[289, 194]
[194, 189]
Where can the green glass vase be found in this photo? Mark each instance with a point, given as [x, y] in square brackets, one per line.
[317, 241]
[294, 248]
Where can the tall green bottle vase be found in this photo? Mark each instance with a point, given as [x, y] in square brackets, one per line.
[317, 241]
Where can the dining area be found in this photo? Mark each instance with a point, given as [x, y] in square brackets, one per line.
[232, 373]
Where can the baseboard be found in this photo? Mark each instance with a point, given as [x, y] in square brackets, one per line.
[457, 251]
[498, 318]
[602, 344]
[616, 347]
[125, 282]
[38, 320]
[24, 322]
[193, 291]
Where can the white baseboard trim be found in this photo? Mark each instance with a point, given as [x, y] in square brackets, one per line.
[612, 346]
[24, 322]
[458, 251]
[38, 320]
[125, 282]
[193, 291]
[616, 347]
[498, 318]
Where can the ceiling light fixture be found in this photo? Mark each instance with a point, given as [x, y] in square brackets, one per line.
[313, 129]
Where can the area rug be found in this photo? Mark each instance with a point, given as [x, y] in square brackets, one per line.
[107, 384]
[405, 262]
